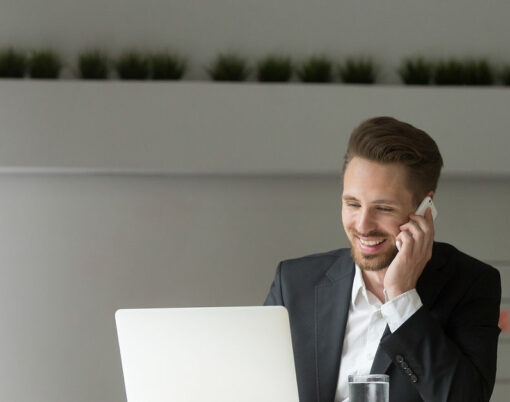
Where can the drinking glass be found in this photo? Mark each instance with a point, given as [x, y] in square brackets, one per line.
[369, 388]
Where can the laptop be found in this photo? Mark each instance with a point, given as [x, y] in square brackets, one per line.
[227, 354]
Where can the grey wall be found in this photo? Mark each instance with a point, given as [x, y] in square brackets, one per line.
[235, 128]
[77, 247]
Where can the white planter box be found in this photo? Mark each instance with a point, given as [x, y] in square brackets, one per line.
[250, 128]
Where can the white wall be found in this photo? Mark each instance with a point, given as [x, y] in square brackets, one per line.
[387, 30]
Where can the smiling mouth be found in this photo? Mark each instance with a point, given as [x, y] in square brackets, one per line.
[369, 247]
[371, 243]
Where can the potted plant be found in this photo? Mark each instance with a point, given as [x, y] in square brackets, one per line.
[358, 71]
[415, 71]
[448, 72]
[132, 66]
[505, 75]
[478, 72]
[44, 64]
[13, 64]
[165, 66]
[228, 67]
[274, 69]
[93, 65]
[316, 69]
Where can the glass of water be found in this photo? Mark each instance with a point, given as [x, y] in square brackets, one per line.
[369, 388]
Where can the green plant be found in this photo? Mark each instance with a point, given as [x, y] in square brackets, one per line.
[449, 72]
[229, 67]
[274, 69]
[358, 71]
[44, 64]
[167, 67]
[13, 64]
[478, 72]
[132, 66]
[316, 69]
[505, 75]
[415, 71]
[93, 65]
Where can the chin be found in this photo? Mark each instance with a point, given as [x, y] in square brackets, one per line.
[372, 262]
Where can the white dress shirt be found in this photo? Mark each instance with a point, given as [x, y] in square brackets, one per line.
[366, 322]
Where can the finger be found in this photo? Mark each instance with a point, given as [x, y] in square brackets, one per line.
[412, 226]
[398, 242]
[420, 220]
[398, 239]
[428, 215]
[407, 243]
[426, 225]
[422, 241]
[414, 229]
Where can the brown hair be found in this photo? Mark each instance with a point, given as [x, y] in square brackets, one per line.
[388, 140]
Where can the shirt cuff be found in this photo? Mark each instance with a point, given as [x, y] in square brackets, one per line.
[401, 308]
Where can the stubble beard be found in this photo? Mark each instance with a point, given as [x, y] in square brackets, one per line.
[371, 262]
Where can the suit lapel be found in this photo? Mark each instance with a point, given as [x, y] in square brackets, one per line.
[381, 360]
[332, 300]
[428, 287]
[432, 279]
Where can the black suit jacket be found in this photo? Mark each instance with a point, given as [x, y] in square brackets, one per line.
[445, 352]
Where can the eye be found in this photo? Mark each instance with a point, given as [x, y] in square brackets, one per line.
[385, 209]
[352, 205]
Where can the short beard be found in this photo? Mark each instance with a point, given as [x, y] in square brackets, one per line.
[370, 262]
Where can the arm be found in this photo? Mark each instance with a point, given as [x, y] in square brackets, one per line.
[455, 361]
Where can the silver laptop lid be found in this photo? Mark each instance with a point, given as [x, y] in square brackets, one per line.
[227, 354]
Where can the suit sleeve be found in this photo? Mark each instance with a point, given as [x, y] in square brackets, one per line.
[275, 297]
[453, 361]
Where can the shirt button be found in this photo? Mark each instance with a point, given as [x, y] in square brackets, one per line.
[414, 378]
[404, 365]
[408, 371]
[399, 358]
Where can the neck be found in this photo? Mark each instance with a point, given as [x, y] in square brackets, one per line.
[374, 281]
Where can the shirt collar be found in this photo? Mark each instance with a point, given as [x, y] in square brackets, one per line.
[359, 289]
[358, 285]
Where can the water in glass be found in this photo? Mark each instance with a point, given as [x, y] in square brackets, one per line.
[369, 392]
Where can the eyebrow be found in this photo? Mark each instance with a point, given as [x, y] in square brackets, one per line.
[388, 202]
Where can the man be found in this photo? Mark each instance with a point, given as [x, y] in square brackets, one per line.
[427, 315]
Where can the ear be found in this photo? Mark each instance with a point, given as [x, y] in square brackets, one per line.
[431, 194]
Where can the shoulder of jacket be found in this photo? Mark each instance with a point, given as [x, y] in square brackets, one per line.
[463, 261]
[312, 266]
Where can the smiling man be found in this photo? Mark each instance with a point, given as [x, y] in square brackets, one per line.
[427, 315]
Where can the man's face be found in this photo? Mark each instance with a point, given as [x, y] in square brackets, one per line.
[375, 202]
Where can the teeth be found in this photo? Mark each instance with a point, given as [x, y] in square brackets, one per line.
[370, 243]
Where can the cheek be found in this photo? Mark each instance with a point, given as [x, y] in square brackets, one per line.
[392, 225]
[347, 218]
[349, 222]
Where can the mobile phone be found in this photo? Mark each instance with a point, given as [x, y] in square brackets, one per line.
[426, 203]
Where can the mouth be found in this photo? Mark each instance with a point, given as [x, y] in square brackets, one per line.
[370, 246]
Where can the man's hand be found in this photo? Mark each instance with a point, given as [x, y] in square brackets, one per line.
[417, 239]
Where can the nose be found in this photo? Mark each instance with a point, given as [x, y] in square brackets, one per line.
[365, 223]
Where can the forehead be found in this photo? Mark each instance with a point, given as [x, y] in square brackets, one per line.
[369, 180]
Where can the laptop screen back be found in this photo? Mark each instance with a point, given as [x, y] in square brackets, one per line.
[228, 354]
